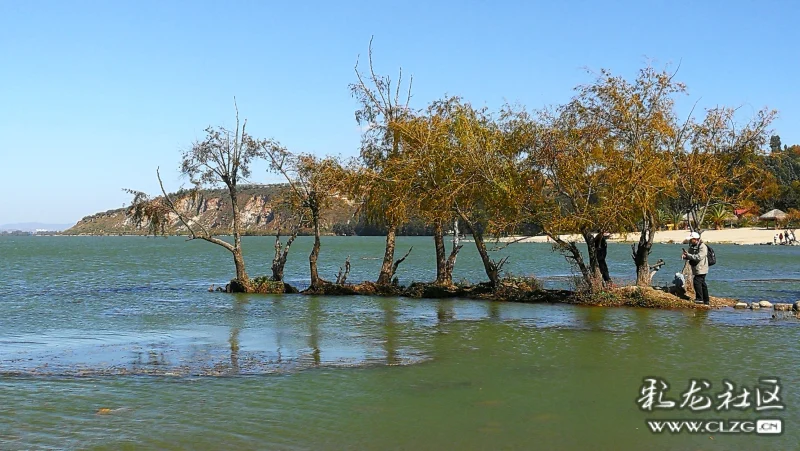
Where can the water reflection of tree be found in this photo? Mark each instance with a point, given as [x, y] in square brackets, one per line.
[237, 318]
[442, 343]
[593, 318]
[278, 314]
[444, 311]
[390, 330]
[494, 310]
[234, 342]
[313, 318]
[279, 343]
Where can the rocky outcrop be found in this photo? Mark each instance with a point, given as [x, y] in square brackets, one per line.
[211, 209]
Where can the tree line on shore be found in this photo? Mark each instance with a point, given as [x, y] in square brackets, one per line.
[617, 157]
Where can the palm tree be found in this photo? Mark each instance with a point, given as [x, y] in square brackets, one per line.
[664, 218]
[717, 215]
[677, 219]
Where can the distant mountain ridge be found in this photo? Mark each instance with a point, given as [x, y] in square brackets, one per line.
[33, 226]
[212, 209]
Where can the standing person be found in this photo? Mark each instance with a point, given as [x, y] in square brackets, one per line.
[602, 252]
[697, 256]
[780, 238]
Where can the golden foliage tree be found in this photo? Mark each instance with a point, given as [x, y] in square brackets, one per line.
[461, 163]
[431, 171]
[578, 162]
[382, 193]
[313, 183]
[640, 123]
[492, 189]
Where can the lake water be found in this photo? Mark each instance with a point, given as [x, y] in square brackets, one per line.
[114, 343]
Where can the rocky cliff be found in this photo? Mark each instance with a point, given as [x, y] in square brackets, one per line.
[212, 209]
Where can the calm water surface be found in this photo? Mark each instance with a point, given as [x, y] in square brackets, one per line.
[125, 324]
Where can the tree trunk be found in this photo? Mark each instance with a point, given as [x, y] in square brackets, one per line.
[316, 282]
[281, 255]
[451, 260]
[593, 277]
[441, 263]
[385, 276]
[492, 269]
[641, 251]
[639, 254]
[278, 262]
[238, 258]
[241, 274]
[571, 252]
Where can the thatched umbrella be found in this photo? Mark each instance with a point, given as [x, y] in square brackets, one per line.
[686, 216]
[773, 215]
[730, 218]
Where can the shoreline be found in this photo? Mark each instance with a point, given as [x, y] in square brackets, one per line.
[741, 236]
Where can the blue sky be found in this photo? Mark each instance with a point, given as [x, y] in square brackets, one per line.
[95, 95]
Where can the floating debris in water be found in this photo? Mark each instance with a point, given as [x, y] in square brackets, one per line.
[109, 411]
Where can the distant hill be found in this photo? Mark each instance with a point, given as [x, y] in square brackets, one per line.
[212, 209]
[34, 226]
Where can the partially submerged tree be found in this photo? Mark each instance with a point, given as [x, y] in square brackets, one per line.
[491, 189]
[461, 164]
[313, 182]
[222, 158]
[576, 159]
[617, 153]
[380, 103]
[385, 198]
[639, 120]
[429, 169]
[288, 218]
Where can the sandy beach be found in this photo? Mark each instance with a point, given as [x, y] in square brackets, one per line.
[745, 235]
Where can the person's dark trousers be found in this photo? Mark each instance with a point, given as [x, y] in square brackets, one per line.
[604, 270]
[700, 288]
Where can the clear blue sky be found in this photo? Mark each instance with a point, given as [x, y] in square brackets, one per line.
[95, 95]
